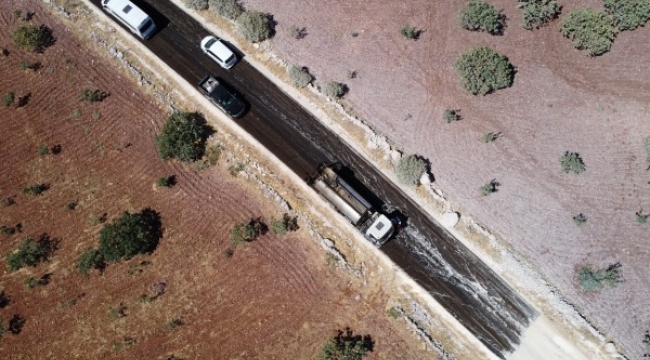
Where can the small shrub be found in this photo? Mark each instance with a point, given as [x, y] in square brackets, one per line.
[17, 13]
[352, 74]
[297, 33]
[166, 181]
[118, 312]
[483, 71]
[92, 96]
[31, 282]
[96, 115]
[71, 205]
[145, 299]
[354, 34]
[580, 219]
[409, 170]
[590, 30]
[90, 259]
[8, 99]
[8, 201]
[346, 345]
[213, 153]
[332, 89]
[242, 233]
[641, 218]
[410, 32]
[4, 53]
[572, 162]
[33, 66]
[236, 169]
[393, 312]
[183, 137]
[197, 4]
[139, 268]
[490, 187]
[592, 280]
[229, 9]
[76, 113]
[43, 150]
[451, 115]
[7, 230]
[628, 14]
[29, 37]
[229, 253]
[537, 13]
[174, 323]
[254, 26]
[491, 136]
[479, 15]
[30, 253]
[36, 189]
[278, 226]
[300, 76]
[130, 235]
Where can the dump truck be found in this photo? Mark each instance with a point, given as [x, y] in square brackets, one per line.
[375, 226]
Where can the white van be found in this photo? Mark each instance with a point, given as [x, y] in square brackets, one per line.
[132, 16]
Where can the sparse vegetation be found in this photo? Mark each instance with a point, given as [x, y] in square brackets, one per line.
[31, 253]
[29, 37]
[491, 136]
[572, 162]
[537, 13]
[90, 259]
[580, 219]
[300, 76]
[76, 113]
[92, 96]
[483, 71]
[451, 115]
[246, 232]
[196, 4]
[43, 150]
[479, 15]
[254, 26]
[297, 32]
[409, 170]
[393, 312]
[490, 187]
[590, 30]
[35, 189]
[628, 14]
[229, 9]
[410, 32]
[236, 168]
[130, 235]
[183, 137]
[346, 346]
[592, 280]
[333, 89]
[8, 99]
[284, 225]
[166, 181]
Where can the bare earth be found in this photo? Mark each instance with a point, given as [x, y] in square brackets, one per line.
[109, 164]
[561, 101]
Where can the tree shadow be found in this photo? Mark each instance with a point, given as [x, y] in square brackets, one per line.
[4, 300]
[23, 100]
[47, 39]
[153, 227]
[346, 339]
[49, 246]
[16, 324]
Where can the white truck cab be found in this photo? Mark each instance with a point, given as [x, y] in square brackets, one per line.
[131, 16]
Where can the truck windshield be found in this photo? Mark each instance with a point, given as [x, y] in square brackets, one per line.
[147, 24]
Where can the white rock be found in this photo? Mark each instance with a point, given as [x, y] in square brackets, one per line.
[450, 218]
[425, 179]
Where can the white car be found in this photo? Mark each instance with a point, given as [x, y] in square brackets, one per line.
[215, 49]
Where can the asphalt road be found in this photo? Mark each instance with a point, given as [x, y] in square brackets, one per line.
[454, 276]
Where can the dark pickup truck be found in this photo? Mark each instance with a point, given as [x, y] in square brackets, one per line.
[214, 89]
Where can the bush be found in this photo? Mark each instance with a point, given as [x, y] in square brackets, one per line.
[628, 14]
[130, 235]
[641, 218]
[346, 346]
[482, 71]
[43, 150]
[332, 89]
[410, 32]
[35, 190]
[300, 76]
[71, 205]
[479, 15]
[451, 115]
[30, 38]
[297, 33]
[26, 65]
[8, 99]
[580, 219]
[90, 259]
[591, 30]
[183, 137]
[572, 162]
[197, 4]
[592, 280]
[7, 230]
[491, 136]
[8, 201]
[254, 26]
[537, 13]
[490, 187]
[167, 181]
[278, 226]
[246, 232]
[30, 253]
[92, 96]
[229, 9]
[409, 169]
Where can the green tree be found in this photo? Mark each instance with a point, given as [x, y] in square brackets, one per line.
[254, 26]
[346, 346]
[229, 9]
[183, 137]
[29, 37]
[130, 235]
[628, 14]
[537, 13]
[572, 162]
[333, 89]
[591, 30]
[482, 71]
[90, 259]
[300, 76]
[479, 15]
[409, 169]
[30, 253]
